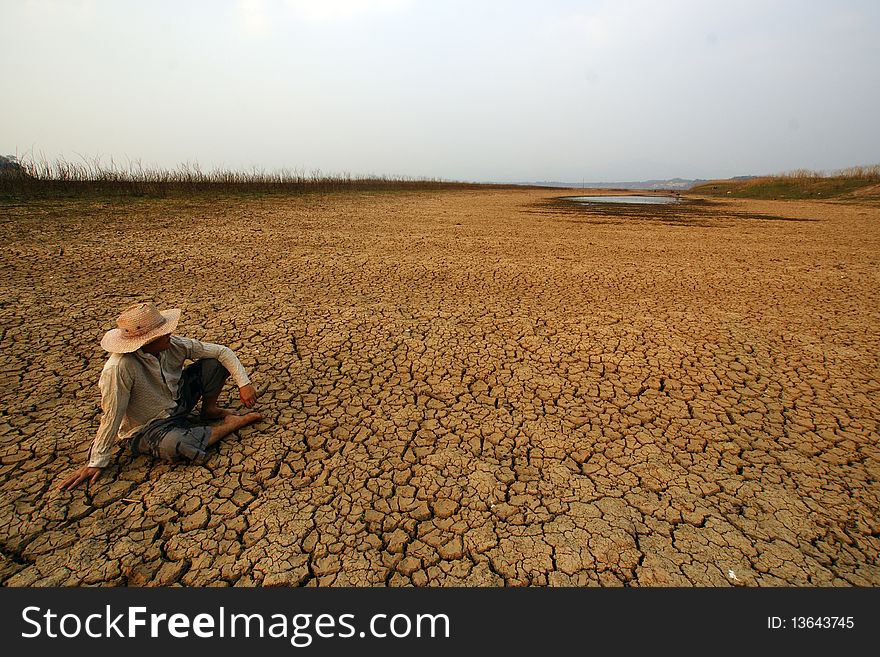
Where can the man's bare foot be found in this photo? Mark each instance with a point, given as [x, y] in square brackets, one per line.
[251, 417]
[232, 423]
[215, 413]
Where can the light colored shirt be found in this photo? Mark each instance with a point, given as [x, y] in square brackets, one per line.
[139, 388]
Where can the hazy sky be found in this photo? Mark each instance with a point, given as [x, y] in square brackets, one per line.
[470, 90]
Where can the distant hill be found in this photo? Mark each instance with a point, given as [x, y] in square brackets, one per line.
[672, 183]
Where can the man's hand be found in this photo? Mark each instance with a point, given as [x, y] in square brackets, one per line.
[79, 476]
[248, 395]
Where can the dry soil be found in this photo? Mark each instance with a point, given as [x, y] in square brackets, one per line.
[478, 388]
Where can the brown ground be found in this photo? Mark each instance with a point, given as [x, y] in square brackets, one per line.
[460, 388]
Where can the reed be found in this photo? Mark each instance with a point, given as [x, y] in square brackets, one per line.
[36, 177]
[869, 173]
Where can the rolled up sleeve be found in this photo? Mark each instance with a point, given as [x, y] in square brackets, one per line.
[115, 385]
[225, 355]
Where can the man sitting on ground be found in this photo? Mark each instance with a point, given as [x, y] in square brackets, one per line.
[146, 394]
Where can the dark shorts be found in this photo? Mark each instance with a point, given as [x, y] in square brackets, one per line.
[172, 439]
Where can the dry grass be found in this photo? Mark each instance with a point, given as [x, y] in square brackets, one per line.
[870, 173]
[796, 184]
[31, 177]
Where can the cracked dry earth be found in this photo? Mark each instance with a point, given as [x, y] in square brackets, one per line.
[477, 388]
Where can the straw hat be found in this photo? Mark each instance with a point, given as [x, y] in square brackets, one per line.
[139, 324]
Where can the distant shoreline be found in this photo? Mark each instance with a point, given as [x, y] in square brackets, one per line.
[672, 183]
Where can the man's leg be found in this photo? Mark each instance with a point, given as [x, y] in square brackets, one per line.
[213, 376]
[203, 380]
[171, 440]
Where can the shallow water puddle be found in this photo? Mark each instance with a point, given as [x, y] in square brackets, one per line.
[639, 200]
